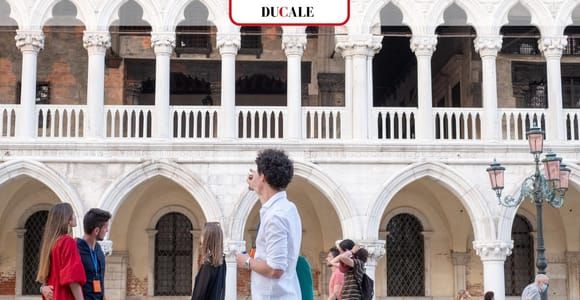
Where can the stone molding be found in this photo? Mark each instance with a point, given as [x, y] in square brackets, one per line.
[29, 40]
[163, 42]
[488, 45]
[493, 250]
[99, 41]
[424, 45]
[552, 47]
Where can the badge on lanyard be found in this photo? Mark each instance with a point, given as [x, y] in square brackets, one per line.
[97, 280]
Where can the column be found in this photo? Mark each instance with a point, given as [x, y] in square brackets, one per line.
[231, 249]
[116, 276]
[348, 103]
[294, 45]
[573, 261]
[376, 251]
[552, 48]
[20, 232]
[163, 44]
[423, 47]
[488, 47]
[460, 261]
[228, 45]
[493, 254]
[151, 233]
[30, 42]
[325, 273]
[96, 44]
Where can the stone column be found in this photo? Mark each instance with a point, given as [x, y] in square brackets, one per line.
[493, 254]
[552, 48]
[116, 276]
[228, 45]
[348, 103]
[573, 261]
[488, 47]
[20, 232]
[231, 249]
[294, 45]
[376, 251]
[30, 42]
[163, 44]
[356, 52]
[423, 47]
[325, 273]
[460, 261]
[96, 44]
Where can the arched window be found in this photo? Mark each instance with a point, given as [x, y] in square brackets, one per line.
[405, 257]
[32, 240]
[519, 267]
[173, 255]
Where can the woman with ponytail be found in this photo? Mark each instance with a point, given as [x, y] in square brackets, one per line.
[60, 263]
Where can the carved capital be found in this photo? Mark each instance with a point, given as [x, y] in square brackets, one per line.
[493, 250]
[460, 258]
[488, 45]
[294, 44]
[367, 45]
[163, 42]
[30, 40]
[375, 248]
[424, 45]
[97, 41]
[107, 246]
[552, 47]
[234, 247]
[228, 43]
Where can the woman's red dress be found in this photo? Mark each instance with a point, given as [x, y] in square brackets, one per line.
[66, 267]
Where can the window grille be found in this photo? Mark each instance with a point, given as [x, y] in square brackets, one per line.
[405, 257]
[32, 241]
[173, 256]
[519, 267]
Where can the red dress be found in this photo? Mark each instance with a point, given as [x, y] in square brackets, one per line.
[66, 267]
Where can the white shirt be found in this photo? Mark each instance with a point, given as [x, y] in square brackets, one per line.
[278, 244]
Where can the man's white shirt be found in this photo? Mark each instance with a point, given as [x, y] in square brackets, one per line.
[278, 244]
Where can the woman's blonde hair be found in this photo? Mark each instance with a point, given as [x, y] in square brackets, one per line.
[57, 224]
[212, 245]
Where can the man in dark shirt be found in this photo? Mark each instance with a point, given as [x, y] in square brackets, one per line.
[96, 226]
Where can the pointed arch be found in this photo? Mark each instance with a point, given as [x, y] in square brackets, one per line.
[311, 174]
[541, 16]
[18, 12]
[47, 176]
[467, 193]
[471, 8]
[118, 192]
[564, 15]
[174, 16]
[110, 10]
[42, 12]
[408, 10]
[508, 214]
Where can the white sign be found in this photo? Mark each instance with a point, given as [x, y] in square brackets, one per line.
[289, 12]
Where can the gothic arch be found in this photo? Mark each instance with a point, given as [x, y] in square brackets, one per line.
[17, 12]
[118, 192]
[176, 15]
[42, 12]
[110, 9]
[564, 15]
[175, 209]
[471, 8]
[541, 16]
[407, 8]
[54, 181]
[465, 191]
[312, 175]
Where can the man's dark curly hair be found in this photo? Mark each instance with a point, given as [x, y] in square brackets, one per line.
[276, 167]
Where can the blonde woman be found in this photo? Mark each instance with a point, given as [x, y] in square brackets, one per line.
[60, 263]
[210, 281]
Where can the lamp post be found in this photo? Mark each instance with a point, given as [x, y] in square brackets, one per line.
[549, 187]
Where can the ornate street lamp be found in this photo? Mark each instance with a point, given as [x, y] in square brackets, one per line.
[549, 187]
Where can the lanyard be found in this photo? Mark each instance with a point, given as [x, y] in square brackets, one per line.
[95, 262]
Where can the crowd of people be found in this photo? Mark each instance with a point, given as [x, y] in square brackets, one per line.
[72, 269]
